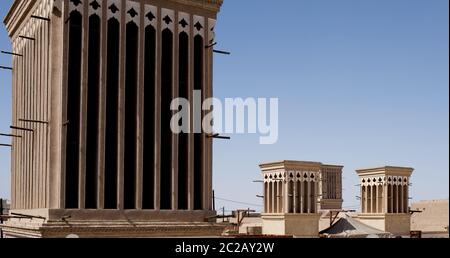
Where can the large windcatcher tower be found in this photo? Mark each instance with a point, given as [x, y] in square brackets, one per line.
[385, 198]
[93, 81]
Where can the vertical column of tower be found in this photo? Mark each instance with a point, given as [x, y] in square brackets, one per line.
[57, 33]
[21, 107]
[42, 105]
[47, 108]
[39, 114]
[211, 24]
[24, 111]
[157, 124]
[13, 140]
[29, 115]
[191, 136]
[83, 109]
[121, 107]
[38, 111]
[28, 105]
[102, 92]
[175, 94]
[140, 102]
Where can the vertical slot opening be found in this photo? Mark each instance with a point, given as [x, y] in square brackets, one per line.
[148, 196]
[130, 115]
[112, 98]
[198, 139]
[183, 138]
[73, 110]
[166, 132]
[305, 197]
[313, 197]
[93, 112]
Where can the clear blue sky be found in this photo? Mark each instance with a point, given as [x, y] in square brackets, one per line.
[361, 83]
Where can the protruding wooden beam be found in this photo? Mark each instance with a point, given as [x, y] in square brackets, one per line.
[11, 53]
[28, 38]
[33, 121]
[10, 135]
[5, 68]
[22, 129]
[40, 18]
[221, 52]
